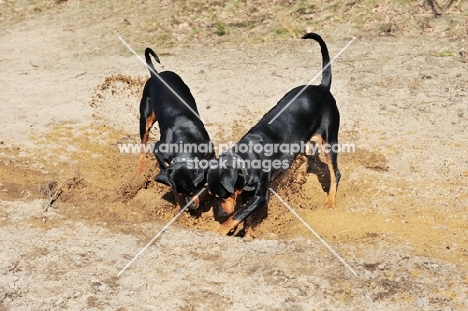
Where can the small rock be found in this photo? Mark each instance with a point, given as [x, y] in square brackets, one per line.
[103, 287]
[59, 301]
[367, 274]
[419, 303]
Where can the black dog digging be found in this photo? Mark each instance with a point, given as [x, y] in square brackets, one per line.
[168, 100]
[312, 113]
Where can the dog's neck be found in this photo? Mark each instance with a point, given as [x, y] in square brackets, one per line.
[240, 167]
[187, 159]
[182, 160]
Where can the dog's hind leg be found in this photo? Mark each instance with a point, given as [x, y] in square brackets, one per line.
[335, 176]
[147, 120]
[330, 145]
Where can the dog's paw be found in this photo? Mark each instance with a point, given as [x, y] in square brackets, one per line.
[330, 203]
[223, 230]
[249, 236]
[228, 226]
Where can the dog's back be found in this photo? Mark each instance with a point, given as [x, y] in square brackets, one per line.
[311, 108]
[170, 97]
[172, 102]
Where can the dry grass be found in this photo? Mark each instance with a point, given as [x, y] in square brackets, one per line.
[190, 22]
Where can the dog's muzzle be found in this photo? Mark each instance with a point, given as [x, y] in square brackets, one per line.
[194, 204]
[182, 200]
[228, 205]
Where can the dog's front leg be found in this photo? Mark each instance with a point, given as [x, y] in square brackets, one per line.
[260, 198]
[240, 215]
[147, 120]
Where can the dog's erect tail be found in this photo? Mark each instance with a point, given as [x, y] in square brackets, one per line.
[149, 63]
[326, 71]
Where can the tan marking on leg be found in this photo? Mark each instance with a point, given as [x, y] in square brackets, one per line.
[330, 202]
[142, 159]
[141, 163]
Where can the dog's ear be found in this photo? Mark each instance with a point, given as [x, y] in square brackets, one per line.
[228, 179]
[163, 177]
[199, 177]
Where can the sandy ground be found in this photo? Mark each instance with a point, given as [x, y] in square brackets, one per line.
[70, 96]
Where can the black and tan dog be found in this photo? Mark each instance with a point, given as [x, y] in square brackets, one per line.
[184, 139]
[313, 112]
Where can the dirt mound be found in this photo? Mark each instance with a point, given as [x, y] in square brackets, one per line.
[116, 101]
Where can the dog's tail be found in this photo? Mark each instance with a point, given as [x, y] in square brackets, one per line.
[326, 67]
[149, 63]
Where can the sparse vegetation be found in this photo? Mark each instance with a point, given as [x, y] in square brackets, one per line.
[192, 22]
[220, 30]
[444, 53]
